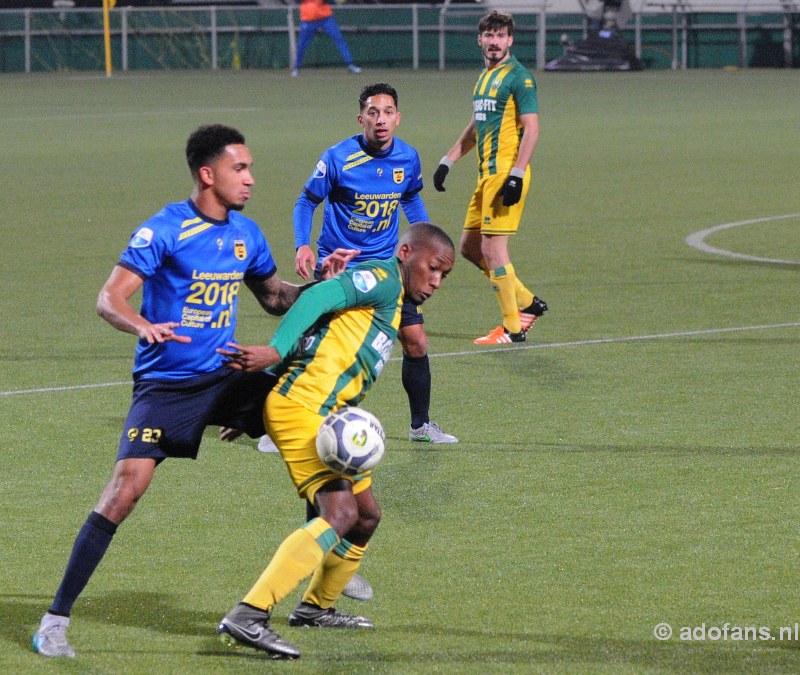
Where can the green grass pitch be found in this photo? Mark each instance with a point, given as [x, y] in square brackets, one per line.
[635, 462]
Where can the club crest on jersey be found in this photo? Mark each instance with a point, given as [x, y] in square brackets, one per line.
[495, 86]
[398, 175]
[142, 238]
[364, 281]
[239, 249]
[306, 343]
[320, 170]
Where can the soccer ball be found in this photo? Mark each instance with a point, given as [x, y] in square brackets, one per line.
[351, 441]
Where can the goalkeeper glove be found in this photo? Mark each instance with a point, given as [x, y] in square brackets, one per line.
[511, 192]
[441, 173]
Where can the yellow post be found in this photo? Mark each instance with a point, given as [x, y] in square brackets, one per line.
[107, 5]
[235, 56]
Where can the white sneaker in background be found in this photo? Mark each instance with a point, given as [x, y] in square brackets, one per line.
[265, 444]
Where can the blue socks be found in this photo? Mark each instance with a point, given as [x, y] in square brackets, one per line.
[417, 383]
[88, 550]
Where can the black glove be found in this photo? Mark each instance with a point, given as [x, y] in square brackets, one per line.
[511, 192]
[439, 175]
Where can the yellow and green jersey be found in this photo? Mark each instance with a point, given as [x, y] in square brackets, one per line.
[338, 336]
[499, 97]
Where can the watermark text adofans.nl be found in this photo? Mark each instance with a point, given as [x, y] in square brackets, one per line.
[727, 631]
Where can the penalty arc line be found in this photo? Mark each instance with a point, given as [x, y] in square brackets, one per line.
[697, 240]
[473, 352]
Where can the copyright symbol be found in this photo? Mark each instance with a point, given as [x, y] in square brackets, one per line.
[663, 631]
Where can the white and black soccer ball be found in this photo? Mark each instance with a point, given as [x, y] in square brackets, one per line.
[351, 441]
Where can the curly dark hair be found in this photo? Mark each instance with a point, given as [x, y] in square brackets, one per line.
[208, 142]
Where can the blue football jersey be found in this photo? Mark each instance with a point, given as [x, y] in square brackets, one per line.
[365, 190]
[193, 268]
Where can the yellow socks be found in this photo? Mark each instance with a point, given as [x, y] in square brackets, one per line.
[504, 281]
[523, 296]
[332, 576]
[297, 557]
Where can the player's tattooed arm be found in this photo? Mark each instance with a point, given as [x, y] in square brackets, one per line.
[276, 295]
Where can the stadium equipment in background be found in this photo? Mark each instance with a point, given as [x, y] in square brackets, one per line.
[604, 48]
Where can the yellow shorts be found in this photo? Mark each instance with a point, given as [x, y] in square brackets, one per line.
[294, 428]
[486, 212]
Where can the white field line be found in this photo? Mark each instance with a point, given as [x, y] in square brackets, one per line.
[618, 340]
[697, 240]
[493, 350]
[47, 390]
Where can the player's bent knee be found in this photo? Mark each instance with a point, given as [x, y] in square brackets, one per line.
[368, 523]
[339, 511]
[369, 516]
[363, 530]
[121, 495]
[117, 504]
[343, 520]
[415, 343]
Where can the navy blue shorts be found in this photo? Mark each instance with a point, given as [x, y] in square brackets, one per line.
[167, 418]
[411, 314]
